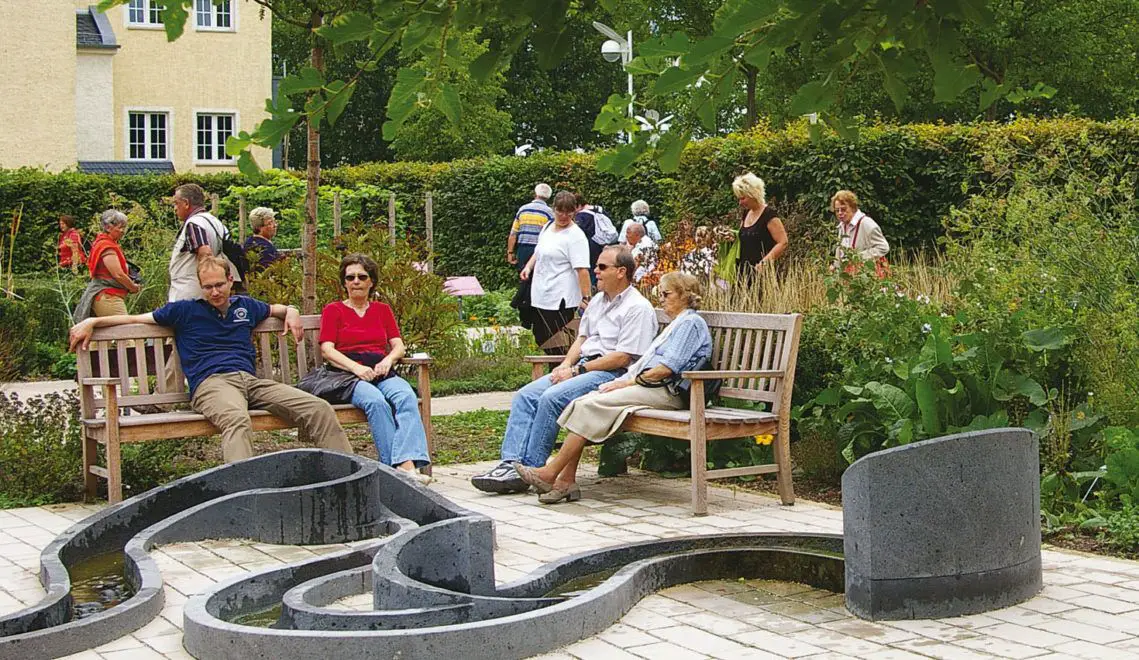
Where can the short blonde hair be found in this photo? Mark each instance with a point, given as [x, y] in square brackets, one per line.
[259, 216]
[847, 198]
[684, 285]
[639, 207]
[750, 186]
[213, 263]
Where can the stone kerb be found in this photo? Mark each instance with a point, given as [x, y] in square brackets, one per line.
[943, 527]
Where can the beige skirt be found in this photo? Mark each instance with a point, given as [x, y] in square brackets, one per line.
[598, 415]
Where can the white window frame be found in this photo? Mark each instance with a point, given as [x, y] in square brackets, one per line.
[146, 24]
[212, 27]
[228, 162]
[169, 112]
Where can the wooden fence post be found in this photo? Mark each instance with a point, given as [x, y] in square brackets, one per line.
[241, 218]
[430, 234]
[214, 203]
[336, 214]
[391, 218]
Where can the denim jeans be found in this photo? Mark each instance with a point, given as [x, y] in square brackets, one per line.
[533, 424]
[398, 433]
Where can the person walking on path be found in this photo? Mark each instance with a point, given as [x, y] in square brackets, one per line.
[214, 337]
[110, 283]
[529, 221]
[762, 235]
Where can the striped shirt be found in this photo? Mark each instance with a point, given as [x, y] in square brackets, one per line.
[529, 220]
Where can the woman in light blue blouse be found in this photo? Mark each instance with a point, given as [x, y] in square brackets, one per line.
[653, 381]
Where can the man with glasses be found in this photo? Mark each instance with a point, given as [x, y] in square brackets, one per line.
[214, 336]
[617, 326]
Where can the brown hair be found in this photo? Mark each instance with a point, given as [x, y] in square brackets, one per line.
[623, 258]
[846, 197]
[364, 261]
[565, 201]
[68, 220]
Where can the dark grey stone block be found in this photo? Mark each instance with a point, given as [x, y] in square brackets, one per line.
[943, 527]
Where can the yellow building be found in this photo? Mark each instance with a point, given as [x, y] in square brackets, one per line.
[109, 92]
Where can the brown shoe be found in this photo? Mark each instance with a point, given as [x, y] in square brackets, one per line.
[530, 476]
[571, 494]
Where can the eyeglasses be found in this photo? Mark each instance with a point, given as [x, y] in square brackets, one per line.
[363, 277]
[604, 267]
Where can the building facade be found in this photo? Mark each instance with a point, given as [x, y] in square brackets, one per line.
[81, 87]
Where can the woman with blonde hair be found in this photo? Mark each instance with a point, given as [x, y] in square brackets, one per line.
[762, 236]
[653, 381]
[858, 234]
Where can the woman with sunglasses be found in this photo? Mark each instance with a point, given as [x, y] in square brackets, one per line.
[361, 336]
[653, 381]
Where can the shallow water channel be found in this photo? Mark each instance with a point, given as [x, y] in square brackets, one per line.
[98, 583]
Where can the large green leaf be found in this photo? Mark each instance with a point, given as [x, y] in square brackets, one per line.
[670, 45]
[449, 103]
[348, 27]
[307, 80]
[174, 17]
[814, 96]
[338, 94]
[670, 147]
[409, 83]
[675, 79]
[1046, 339]
[1010, 384]
[891, 402]
[926, 394]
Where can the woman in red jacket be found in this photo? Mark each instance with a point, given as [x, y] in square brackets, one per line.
[70, 244]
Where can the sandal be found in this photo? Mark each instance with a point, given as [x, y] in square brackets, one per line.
[556, 495]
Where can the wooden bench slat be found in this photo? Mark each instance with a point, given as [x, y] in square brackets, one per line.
[140, 360]
[160, 366]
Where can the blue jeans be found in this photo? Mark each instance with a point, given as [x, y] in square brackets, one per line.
[398, 433]
[533, 424]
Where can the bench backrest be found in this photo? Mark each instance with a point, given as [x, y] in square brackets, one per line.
[752, 342]
[122, 352]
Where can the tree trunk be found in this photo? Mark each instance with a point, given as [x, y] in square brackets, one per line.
[752, 117]
[308, 236]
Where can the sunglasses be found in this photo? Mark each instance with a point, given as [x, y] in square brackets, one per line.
[604, 267]
[363, 277]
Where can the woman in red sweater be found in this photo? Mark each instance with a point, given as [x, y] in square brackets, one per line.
[70, 243]
[360, 335]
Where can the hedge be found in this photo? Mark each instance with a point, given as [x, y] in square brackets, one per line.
[908, 177]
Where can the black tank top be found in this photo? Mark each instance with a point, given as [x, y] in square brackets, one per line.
[756, 240]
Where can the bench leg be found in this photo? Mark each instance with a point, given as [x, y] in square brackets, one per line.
[782, 450]
[537, 370]
[114, 455]
[423, 381]
[698, 443]
[90, 457]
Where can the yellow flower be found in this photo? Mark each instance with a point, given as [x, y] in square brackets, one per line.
[1079, 414]
[474, 318]
[764, 439]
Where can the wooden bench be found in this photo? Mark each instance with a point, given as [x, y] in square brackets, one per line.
[279, 358]
[754, 355]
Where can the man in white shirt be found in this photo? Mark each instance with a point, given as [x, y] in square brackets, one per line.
[616, 328]
[200, 237]
[643, 249]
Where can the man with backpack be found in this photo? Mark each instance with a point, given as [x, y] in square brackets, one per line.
[598, 229]
[202, 235]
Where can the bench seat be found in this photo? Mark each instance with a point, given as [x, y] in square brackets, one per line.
[188, 424]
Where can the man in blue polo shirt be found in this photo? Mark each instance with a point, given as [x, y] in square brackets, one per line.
[214, 337]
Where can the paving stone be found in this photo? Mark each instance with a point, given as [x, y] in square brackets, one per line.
[1091, 651]
[1047, 605]
[1104, 604]
[645, 619]
[700, 641]
[1084, 631]
[835, 641]
[782, 645]
[869, 630]
[941, 650]
[624, 636]
[596, 648]
[1002, 648]
[662, 650]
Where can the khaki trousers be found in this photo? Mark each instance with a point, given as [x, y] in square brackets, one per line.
[108, 305]
[225, 400]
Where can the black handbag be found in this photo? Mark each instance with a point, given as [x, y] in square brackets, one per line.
[329, 383]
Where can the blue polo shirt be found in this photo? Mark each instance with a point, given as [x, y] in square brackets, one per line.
[209, 344]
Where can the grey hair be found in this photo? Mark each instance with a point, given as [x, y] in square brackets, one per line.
[113, 218]
[636, 225]
[542, 191]
[685, 285]
[640, 207]
[751, 186]
[258, 217]
[623, 258]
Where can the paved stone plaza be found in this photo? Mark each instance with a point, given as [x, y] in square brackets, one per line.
[1089, 607]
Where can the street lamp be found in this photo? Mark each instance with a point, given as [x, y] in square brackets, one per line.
[618, 48]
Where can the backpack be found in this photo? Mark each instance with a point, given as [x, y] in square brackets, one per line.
[232, 251]
[604, 233]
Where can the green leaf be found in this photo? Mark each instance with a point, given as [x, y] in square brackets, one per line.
[402, 101]
[832, 396]
[990, 92]
[891, 402]
[926, 395]
[309, 79]
[670, 148]
[348, 27]
[675, 79]
[848, 452]
[706, 49]
[338, 94]
[739, 16]
[1010, 384]
[900, 432]
[270, 131]
[484, 65]
[1045, 339]
[814, 96]
[249, 167]
[671, 45]
[619, 160]
[449, 103]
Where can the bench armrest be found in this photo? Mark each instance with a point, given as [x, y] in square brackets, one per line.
[544, 359]
[97, 382]
[712, 375]
[416, 360]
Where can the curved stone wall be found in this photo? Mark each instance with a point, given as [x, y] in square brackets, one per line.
[943, 527]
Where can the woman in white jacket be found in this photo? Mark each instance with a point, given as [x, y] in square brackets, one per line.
[858, 234]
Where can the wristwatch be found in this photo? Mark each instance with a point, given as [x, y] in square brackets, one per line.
[578, 369]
